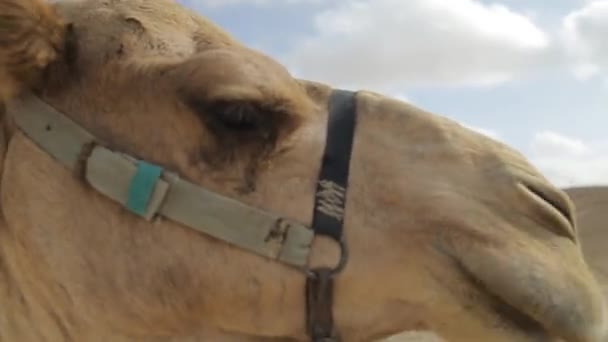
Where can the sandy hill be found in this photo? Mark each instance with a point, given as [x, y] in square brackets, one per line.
[592, 218]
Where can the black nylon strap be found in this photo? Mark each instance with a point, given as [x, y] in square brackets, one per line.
[328, 215]
[319, 301]
[330, 199]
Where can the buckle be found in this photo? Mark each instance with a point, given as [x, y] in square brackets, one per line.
[311, 273]
[146, 190]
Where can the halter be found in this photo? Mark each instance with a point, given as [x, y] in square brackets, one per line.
[149, 191]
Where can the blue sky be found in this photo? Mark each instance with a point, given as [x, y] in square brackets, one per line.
[530, 73]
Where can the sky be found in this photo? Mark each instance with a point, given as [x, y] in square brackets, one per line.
[531, 73]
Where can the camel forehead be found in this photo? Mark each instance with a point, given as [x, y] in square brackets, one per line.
[155, 26]
[154, 12]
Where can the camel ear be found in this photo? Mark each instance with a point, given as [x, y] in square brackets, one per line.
[31, 38]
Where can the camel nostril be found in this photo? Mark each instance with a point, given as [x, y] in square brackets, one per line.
[555, 200]
[555, 207]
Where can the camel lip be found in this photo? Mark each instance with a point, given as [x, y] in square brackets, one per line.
[507, 316]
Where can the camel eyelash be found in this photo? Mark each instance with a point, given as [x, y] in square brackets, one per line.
[71, 45]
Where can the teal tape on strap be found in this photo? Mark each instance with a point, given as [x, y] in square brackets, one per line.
[142, 186]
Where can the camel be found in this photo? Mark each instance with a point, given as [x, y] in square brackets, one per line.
[161, 182]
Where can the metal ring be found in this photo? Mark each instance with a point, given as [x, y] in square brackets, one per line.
[341, 262]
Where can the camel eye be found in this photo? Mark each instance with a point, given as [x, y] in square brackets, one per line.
[233, 115]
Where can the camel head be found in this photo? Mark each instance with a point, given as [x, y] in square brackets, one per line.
[448, 231]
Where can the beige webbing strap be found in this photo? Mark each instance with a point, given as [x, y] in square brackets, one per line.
[111, 172]
[56, 134]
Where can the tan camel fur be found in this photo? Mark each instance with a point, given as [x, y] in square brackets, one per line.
[449, 231]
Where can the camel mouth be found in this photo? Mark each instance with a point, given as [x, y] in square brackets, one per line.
[507, 316]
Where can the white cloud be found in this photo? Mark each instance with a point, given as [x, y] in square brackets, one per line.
[584, 33]
[568, 161]
[390, 43]
[548, 142]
